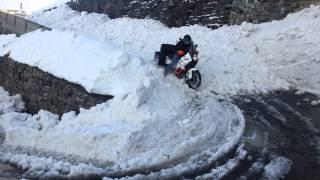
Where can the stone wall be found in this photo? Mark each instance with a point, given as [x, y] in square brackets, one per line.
[41, 90]
[210, 13]
[174, 13]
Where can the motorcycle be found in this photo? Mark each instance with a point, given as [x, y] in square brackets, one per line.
[185, 67]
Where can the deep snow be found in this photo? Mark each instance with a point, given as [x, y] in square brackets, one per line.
[151, 121]
[154, 120]
[233, 59]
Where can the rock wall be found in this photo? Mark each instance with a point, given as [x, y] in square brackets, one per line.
[41, 90]
[174, 13]
[210, 13]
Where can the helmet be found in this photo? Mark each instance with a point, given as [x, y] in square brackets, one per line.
[187, 39]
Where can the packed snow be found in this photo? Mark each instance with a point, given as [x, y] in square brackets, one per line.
[129, 137]
[154, 121]
[97, 66]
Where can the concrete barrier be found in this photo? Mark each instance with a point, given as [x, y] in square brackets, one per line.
[10, 23]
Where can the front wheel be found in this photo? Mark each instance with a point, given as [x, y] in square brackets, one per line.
[193, 78]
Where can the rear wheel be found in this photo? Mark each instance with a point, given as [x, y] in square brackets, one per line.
[194, 81]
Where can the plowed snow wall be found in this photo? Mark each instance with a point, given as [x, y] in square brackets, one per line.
[41, 90]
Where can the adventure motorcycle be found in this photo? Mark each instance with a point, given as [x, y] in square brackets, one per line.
[185, 67]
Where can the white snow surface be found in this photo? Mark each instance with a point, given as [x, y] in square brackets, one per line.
[233, 59]
[152, 119]
[96, 65]
[30, 6]
[130, 137]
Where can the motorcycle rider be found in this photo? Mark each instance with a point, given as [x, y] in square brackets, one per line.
[174, 52]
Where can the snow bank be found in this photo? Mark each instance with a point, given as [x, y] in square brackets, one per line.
[291, 48]
[132, 138]
[97, 66]
[155, 120]
[233, 59]
[29, 6]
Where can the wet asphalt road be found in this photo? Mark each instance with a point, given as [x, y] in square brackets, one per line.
[282, 124]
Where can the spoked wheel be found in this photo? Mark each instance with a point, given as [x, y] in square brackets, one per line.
[193, 81]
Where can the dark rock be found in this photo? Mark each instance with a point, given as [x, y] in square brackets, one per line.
[173, 13]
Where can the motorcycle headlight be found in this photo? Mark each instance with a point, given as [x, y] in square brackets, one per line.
[195, 58]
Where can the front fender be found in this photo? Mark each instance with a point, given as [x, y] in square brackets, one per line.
[189, 73]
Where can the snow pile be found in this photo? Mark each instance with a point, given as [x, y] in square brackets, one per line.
[29, 6]
[236, 59]
[156, 121]
[131, 139]
[293, 50]
[95, 65]
[222, 53]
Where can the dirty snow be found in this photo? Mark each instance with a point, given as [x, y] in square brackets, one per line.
[277, 168]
